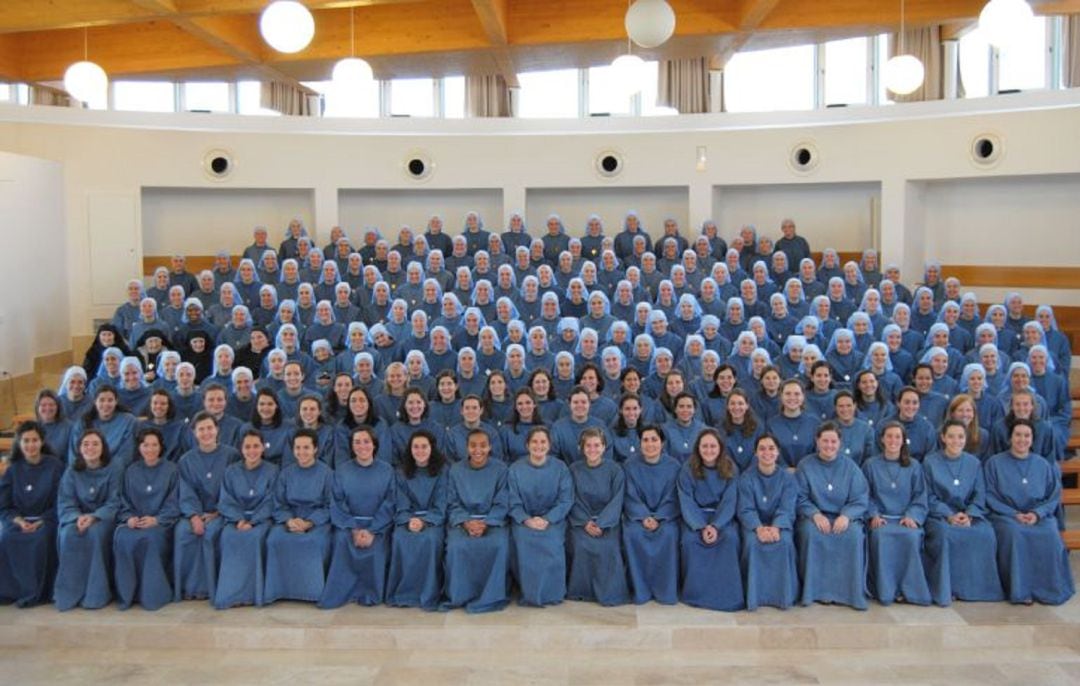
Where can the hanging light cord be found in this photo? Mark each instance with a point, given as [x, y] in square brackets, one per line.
[352, 32]
[901, 52]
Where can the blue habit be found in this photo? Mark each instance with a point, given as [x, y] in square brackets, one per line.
[1032, 558]
[416, 559]
[711, 577]
[84, 577]
[832, 566]
[142, 556]
[363, 499]
[960, 560]
[652, 557]
[597, 567]
[246, 495]
[195, 566]
[539, 556]
[28, 560]
[477, 567]
[769, 569]
[296, 562]
[896, 566]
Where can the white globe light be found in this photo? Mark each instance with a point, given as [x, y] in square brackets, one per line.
[629, 73]
[904, 74]
[650, 23]
[352, 71]
[287, 26]
[86, 81]
[1001, 21]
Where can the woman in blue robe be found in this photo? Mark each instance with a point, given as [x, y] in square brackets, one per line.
[767, 496]
[28, 519]
[961, 547]
[413, 417]
[247, 507]
[844, 359]
[651, 521]
[709, 543]
[833, 498]
[597, 567]
[919, 433]
[870, 400]
[1023, 494]
[133, 393]
[298, 545]
[896, 515]
[793, 428]
[162, 416]
[478, 542]
[74, 399]
[269, 420]
[117, 426]
[856, 435]
[820, 396]
[415, 578]
[54, 425]
[195, 549]
[525, 415]
[1023, 405]
[362, 512]
[310, 416]
[86, 508]
[741, 429]
[541, 494]
[142, 542]
[625, 442]
[683, 430]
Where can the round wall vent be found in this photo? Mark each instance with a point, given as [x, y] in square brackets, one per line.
[986, 149]
[804, 157]
[609, 163]
[418, 166]
[218, 164]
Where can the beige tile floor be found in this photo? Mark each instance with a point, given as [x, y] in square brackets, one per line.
[574, 643]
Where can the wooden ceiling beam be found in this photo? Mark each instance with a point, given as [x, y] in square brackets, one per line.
[234, 35]
[17, 16]
[492, 16]
[752, 13]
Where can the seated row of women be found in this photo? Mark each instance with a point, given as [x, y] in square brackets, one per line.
[233, 528]
[507, 408]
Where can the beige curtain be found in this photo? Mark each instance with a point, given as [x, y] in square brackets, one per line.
[924, 43]
[684, 85]
[487, 96]
[1072, 51]
[289, 99]
[53, 97]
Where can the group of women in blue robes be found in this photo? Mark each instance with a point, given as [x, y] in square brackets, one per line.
[686, 457]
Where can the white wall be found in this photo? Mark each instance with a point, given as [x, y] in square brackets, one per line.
[389, 209]
[574, 205]
[201, 221]
[840, 215]
[33, 281]
[903, 149]
[1026, 220]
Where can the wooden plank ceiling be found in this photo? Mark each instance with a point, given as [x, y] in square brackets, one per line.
[209, 39]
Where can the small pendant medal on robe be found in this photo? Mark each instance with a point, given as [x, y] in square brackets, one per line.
[29, 487]
[830, 487]
[149, 489]
[956, 482]
[209, 475]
